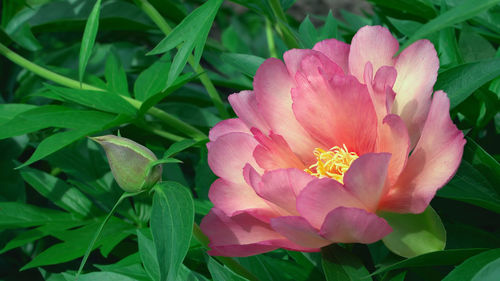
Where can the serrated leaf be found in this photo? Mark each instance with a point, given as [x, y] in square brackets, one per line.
[172, 219]
[88, 40]
[415, 234]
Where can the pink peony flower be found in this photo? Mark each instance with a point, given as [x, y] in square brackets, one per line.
[325, 141]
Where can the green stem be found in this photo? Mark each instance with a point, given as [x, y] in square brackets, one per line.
[283, 28]
[270, 39]
[70, 83]
[229, 262]
[158, 19]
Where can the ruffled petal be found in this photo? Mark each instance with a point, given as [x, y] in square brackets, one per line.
[321, 196]
[374, 44]
[274, 153]
[352, 225]
[336, 112]
[432, 163]
[245, 106]
[228, 154]
[227, 126]
[299, 231]
[294, 61]
[272, 86]
[380, 88]
[337, 51]
[417, 68]
[366, 177]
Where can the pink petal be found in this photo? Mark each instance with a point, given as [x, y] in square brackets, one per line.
[380, 88]
[294, 62]
[245, 106]
[229, 153]
[393, 138]
[337, 112]
[374, 44]
[273, 152]
[352, 225]
[336, 51]
[321, 196]
[232, 198]
[282, 186]
[366, 177]
[432, 163]
[227, 126]
[417, 68]
[272, 86]
[299, 231]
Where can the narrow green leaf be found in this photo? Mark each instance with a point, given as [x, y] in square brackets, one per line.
[247, 64]
[222, 273]
[17, 215]
[10, 110]
[152, 80]
[308, 33]
[116, 77]
[58, 192]
[466, 10]
[470, 268]
[88, 40]
[415, 234]
[461, 81]
[420, 8]
[330, 29]
[340, 264]
[178, 147]
[172, 219]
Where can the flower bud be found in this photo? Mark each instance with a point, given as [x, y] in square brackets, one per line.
[129, 163]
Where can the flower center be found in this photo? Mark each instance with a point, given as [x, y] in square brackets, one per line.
[332, 163]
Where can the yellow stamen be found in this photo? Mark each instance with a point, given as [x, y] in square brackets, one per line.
[332, 163]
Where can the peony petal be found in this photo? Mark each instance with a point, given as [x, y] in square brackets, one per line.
[336, 113]
[282, 186]
[321, 196]
[245, 106]
[272, 86]
[299, 231]
[432, 163]
[227, 126]
[417, 68]
[336, 51]
[374, 44]
[393, 138]
[229, 153]
[380, 88]
[232, 198]
[294, 61]
[274, 153]
[366, 177]
[352, 225]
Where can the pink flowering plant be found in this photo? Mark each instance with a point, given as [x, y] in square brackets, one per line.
[258, 140]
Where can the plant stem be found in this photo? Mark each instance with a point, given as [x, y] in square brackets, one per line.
[70, 83]
[270, 40]
[283, 29]
[229, 262]
[158, 19]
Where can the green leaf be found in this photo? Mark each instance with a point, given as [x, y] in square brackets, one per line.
[178, 147]
[340, 264]
[308, 33]
[461, 81]
[147, 253]
[58, 192]
[172, 219]
[466, 10]
[489, 273]
[116, 77]
[222, 273]
[247, 64]
[99, 276]
[88, 40]
[152, 80]
[129, 266]
[330, 29]
[17, 215]
[420, 8]
[471, 269]
[192, 32]
[446, 257]
[415, 234]
[10, 110]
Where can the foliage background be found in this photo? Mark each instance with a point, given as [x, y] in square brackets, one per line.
[89, 71]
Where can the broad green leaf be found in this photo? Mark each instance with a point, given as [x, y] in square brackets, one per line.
[400, 276]
[99, 276]
[88, 40]
[340, 264]
[58, 192]
[461, 81]
[172, 219]
[222, 273]
[490, 272]
[471, 268]
[247, 64]
[10, 110]
[17, 215]
[129, 266]
[415, 234]
[152, 80]
[274, 269]
[484, 162]
[446, 257]
[116, 77]
[466, 10]
[147, 253]
[473, 46]
[99, 100]
[192, 32]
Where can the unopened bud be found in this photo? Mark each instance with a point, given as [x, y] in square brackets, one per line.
[130, 163]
